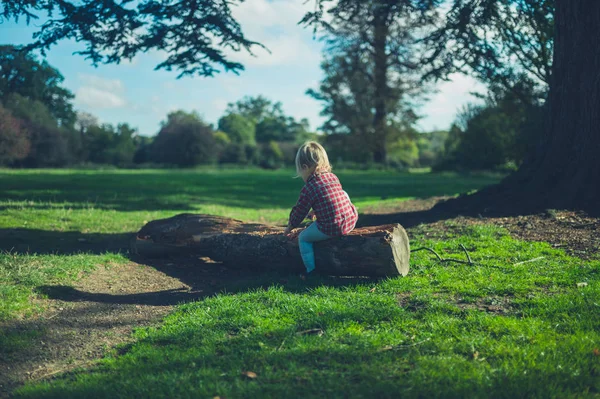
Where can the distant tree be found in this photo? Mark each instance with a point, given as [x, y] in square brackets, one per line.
[256, 108]
[272, 128]
[49, 141]
[271, 156]
[122, 146]
[221, 138]
[21, 74]
[49, 148]
[184, 140]
[500, 132]
[371, 67]
[300, 131]
[107, 144]
[403, 151]
[98, 143]
[14, 138]
[234, 153]
[238, 128]
[271, 123]
[32, 91]
[432, 147]
[85, 120]
[33, 112]
[488, 140]
[143, 151]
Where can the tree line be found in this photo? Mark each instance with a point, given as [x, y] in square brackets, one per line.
[39, 127]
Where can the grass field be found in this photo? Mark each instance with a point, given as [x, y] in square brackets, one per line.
[494, 329]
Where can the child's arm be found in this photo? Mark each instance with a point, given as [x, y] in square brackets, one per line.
[299, 211]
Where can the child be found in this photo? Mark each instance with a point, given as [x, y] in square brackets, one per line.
[335, 214]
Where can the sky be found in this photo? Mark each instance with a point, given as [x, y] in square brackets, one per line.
[135, 93]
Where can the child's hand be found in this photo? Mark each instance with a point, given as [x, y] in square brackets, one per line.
[312, 216]
[289, 233]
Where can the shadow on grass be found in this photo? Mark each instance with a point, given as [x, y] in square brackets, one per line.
[204, 279]
[33, 241]
[184, 190]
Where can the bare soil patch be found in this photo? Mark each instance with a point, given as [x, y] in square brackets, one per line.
[84, 322]
[576, 232]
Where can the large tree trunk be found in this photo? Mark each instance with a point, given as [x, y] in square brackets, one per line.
[564, 171]
[373, 251]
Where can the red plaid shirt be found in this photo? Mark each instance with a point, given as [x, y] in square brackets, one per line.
[323, 193]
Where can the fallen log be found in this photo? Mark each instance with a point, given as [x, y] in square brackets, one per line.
[368, 251]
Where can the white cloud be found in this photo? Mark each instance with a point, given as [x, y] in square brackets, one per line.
[441, 110]
[265, 22]
[100, 93]
[257, 14]
[102, 83]
[283, 50]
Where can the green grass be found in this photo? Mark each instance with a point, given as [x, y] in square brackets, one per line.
[120, 200]
[431, 334]
[494, 329]
[20, 274]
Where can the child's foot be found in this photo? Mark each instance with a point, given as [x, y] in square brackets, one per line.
[306, 275]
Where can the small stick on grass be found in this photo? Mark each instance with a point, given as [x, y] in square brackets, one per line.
[530, 260]
[442, 260]
[430, 250]
[466, 253]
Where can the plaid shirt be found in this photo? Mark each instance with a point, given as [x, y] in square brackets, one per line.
[323, 193]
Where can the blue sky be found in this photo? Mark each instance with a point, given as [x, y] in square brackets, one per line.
[133, 92]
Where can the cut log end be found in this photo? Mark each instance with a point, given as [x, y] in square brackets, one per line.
[400, 250]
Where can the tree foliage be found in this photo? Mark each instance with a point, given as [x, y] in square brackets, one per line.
[194, 34]
[499, 133]
[184, 140]
[372, 77]
[14, 138]
[506, 43]
[23, 75]
[110, 145]
[270, 122]
[238, 128]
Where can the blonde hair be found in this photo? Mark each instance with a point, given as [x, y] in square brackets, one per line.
[312, 155]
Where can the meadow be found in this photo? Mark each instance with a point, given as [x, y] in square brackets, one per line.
[497, 328]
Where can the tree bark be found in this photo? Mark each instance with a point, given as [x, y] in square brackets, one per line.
[372, 251]
[381, 32]
[567, 169]
[564, 170]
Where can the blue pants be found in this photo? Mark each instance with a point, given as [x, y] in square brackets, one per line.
[305, 242]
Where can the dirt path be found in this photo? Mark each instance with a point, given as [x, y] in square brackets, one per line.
[84, 322]
[72, 334]
[575, 232]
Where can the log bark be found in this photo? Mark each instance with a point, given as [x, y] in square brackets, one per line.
[370, 251]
